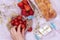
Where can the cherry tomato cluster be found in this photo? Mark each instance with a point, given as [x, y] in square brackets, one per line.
[25, 7]
[26, 11]
[18, 21]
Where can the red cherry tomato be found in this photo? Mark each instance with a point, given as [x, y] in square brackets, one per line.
[19, 17]
[30, 29]
[24, 22]
[15, 20]
[16, 24]
[20, 22]
[12, 22]
[23, 26]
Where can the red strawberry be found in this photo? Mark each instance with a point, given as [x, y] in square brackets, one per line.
[31, 12]
[27, 7]
[28, 13]
[21, 5]
[23, 12]
[30, 29]
[25, 2]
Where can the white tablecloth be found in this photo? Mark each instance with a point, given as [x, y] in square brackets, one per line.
[54, 35]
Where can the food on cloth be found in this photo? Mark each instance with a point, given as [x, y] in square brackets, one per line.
[47, 11]
[26, 10]
[22, 19]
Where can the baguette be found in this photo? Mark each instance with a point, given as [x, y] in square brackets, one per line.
[45, 7]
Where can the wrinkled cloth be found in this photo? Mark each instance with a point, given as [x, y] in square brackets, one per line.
[4, 32]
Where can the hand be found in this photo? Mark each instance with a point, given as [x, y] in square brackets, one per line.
[17, 35]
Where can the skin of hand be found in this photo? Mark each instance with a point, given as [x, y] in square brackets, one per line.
[17, 35]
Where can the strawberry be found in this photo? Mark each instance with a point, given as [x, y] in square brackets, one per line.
[27, 13]
[21, 5]
[23, 12]
[27, 7]
[31, 12]
[25, 2]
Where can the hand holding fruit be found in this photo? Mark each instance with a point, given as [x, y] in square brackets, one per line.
[19, 20]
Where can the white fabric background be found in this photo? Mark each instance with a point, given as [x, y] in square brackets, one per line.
[55, 35]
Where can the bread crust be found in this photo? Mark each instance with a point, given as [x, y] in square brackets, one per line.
[45, 7]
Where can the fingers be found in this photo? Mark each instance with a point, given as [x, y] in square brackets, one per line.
[13, 30]
[19, 28]
[23, 32]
